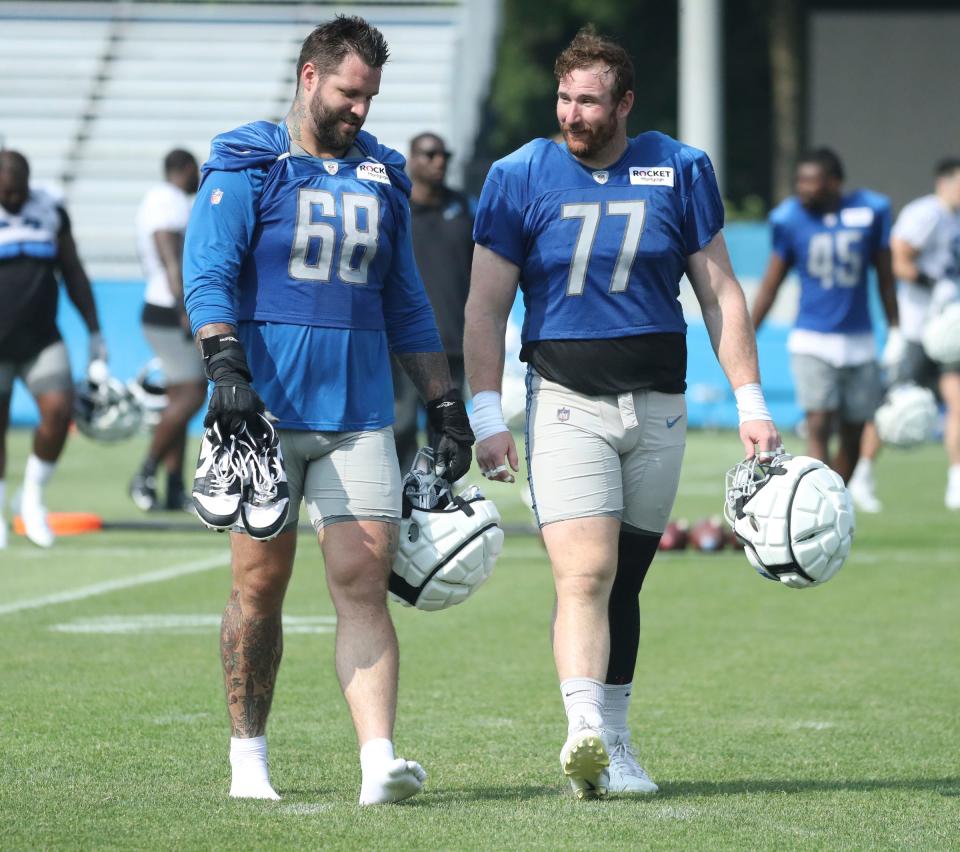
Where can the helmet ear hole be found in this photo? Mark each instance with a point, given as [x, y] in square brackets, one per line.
[753, 523]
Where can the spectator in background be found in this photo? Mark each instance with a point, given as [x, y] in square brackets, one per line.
[926, 260]
[443, 248]
[832, 238]
[161, 223]
[35, 244]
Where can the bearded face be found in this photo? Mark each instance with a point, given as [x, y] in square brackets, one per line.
[587, 138]
[335, 128]
[590, 119]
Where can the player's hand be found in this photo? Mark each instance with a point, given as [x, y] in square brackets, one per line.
[760, 438]
[447, 416]
[97, 348]
[495, 453]
[233, 404]
[894, 350]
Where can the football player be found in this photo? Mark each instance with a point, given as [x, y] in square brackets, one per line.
[161, 221]
[832, 238]
[300, 281]
[599, 230]
[36, 244]
[926, 260]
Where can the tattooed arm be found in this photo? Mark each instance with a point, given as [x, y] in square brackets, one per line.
[428, 371]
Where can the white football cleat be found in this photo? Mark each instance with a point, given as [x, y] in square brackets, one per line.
[35, 525]
[584, 761]
[218, 480]
[265, 503]
[952, 498]
[3, 534]
[864, 495]
[627, 776]
[400, 780]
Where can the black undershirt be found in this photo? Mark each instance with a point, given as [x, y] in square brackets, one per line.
[612, 365]
[28, 317]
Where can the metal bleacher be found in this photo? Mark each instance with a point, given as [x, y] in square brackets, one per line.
[94, 94]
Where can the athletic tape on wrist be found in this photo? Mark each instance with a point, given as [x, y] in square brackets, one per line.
[750, 403]
[486, 419]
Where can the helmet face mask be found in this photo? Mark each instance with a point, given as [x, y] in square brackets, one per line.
[149, 387]
[106, 410]
[793, 516]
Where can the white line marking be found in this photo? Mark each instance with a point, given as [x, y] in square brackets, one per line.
[218, 561]
[183, 623]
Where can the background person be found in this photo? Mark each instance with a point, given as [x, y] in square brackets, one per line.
[926, 260]
[443, 248]
[832, 238]
[298, 254]
[161, 222]
[36, 245]
[599, 232]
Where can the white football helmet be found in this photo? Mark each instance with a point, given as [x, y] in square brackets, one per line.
[907, 415]
[941, 336]
[448, 545]
[149, 387]
[794, 517]
[103, 407]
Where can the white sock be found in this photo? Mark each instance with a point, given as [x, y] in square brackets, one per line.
[35, 477]
[386, 777]
[582, 699]
[863, 470]
[248, 760]
[3, 497]
[616, 706]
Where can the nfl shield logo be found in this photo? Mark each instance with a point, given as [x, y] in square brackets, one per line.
[563, 414]
[331, 167]
[216, 196]
[601, 177]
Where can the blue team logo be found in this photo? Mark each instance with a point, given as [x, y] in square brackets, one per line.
[563, 414]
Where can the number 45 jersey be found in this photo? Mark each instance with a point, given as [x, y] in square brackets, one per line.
[832, 253]
[601, 251]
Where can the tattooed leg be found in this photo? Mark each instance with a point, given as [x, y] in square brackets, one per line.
[251, 636]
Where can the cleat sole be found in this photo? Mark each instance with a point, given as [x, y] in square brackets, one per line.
[585, 763]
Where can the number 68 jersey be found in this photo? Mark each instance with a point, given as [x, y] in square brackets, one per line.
[312, 260]
[601, 251]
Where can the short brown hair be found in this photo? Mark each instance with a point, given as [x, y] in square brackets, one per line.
[329, 44]
[589, 48]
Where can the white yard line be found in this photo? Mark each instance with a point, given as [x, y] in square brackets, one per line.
[195, 567]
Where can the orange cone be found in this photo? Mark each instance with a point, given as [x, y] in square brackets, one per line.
[66, 523]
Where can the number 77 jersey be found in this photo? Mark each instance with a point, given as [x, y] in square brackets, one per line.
[601, 251]
[832, 253]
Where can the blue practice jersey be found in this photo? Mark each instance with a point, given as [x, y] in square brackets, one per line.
[832, 253]
[311, 259]
[601, 251]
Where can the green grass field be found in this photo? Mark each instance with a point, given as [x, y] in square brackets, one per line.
[771, 718]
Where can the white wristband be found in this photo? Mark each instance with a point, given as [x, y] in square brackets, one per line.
[750, 403]
[486, 419]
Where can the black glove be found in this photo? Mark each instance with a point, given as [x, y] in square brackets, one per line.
[448, 419]
[234, 401]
